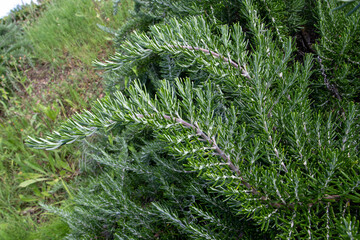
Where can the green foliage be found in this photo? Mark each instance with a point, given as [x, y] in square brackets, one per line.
[26, 13]
[350, 228]
[124, 193]
[68, 29]
[53, 229]
[338, 49]
[147, 13]
[243, 150]
[29, 176]
[287, 17]
[14, 54]
[23, 228]
[39, 103]
[347, 3]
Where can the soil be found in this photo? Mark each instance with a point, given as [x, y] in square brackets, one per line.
[49, 84]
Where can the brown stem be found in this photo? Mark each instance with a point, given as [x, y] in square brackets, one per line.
[228, 60]
[220, 152]
[331, 87]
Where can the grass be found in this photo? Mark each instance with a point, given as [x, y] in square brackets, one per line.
[23, 228]
[71, 29]
[28, 176]
[65, 40]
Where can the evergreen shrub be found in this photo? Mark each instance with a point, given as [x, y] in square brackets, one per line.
[234, 128]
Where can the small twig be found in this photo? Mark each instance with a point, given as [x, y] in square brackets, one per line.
[228, 60]
[330, 87]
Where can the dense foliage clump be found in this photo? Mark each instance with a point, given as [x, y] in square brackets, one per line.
[225, 125]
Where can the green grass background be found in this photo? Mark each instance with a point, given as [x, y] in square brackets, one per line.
[65, 40]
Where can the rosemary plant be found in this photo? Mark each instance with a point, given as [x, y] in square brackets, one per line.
[245, 150]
